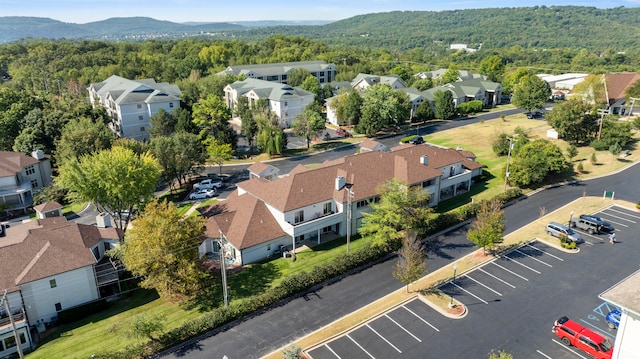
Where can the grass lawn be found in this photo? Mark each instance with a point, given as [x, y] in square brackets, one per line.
[110, 328]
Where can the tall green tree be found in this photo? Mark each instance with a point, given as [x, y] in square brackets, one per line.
[82, 137]
[178, 155]
[271, 137]
[488, 227]
[162, 249]
[424, 112]
[219, 152]
[382, 106]
[212, 116]
[162, 124]
[493, 68]
[116, 181]
[249, 125]
[534, 161]
[309, 125]
[531, 93]
[296, 76]
[574, 121]
[312, 85]
[445, 107]
[411, 264]
[401, 209]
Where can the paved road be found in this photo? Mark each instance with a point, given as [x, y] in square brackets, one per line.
[259, 336]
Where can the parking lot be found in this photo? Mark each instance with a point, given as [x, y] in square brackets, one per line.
[512, 302]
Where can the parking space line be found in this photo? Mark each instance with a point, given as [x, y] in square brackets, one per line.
[545, 252]
[514, 273]
[491, 275]
[597, 329]
[524, 265]
[534, 258]
[419, 317]
[598, 309]
[543, 354]
[363, 349]
[568, 348]
[331, 350]
[471, 294]
[403, 328]
[385, 339]
[623, 218]
[495, 291]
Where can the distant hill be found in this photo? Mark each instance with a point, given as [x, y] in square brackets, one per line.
[16, 27]
[540, 27]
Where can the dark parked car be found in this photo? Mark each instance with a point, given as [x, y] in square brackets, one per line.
[603, 225]
[416, 140]
[534, 114]
[342, 133]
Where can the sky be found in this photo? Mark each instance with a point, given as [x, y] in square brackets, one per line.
[83, 11]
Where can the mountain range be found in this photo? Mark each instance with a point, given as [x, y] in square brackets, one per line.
[132, 28]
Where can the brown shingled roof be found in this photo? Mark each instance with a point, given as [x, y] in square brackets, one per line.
[618, 83]
[47, 206]
[244, 220]
[13, 162]
[53, 246]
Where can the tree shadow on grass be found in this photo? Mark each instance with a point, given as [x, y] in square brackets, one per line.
[246, 282]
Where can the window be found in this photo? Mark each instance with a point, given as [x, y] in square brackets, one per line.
[269, 246]
[30, 170]
[10, 342]
[140, 118]
[299, 217]
[361, 203]
[139, 105]
[285, 103]
[427, 183]
[327, 229]
[452, 171]
[141, 129]
[53, 283]
[170, 104]
[58, 307]
[328, 208]
[34, 183]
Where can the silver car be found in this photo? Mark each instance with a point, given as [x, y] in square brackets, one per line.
[556, 229]
[203, 194]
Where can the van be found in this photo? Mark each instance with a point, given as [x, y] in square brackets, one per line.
[557, 230]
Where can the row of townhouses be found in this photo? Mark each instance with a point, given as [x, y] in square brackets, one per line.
[269, 211]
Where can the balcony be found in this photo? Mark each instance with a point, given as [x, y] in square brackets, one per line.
[318, 221]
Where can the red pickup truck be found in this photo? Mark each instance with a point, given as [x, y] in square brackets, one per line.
[572, 333]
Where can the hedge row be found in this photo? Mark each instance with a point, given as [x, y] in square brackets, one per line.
[289, 287]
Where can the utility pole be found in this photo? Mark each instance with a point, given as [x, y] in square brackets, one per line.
[506, 172]
[633, 101]
[347, 187]
[223, 267]
[13, 324]
[602, 112]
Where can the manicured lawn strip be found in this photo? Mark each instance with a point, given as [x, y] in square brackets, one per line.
[110, 329]
[184, 207]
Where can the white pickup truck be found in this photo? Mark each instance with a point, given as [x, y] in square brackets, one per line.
[208, 184]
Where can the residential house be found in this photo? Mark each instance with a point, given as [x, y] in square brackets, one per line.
[49, 265]
[21, 176]
[626, 296]
[362, 81]
[325, 73]
[462, 75]
[310, 204]
[489, 92]
[131, 103]
[617, 85]
[285, 101]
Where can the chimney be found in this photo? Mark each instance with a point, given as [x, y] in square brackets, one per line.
[37, 154]
[424, 160]
[103, 220]
[340, 183]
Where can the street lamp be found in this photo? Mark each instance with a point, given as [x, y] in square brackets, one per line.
[455, 268]
[506, 172]
[223, 268]
[350, 194]
[570, 217]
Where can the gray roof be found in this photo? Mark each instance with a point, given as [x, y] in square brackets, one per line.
[125, 91]
[276, 69]
[374, 79]
[269, 90]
